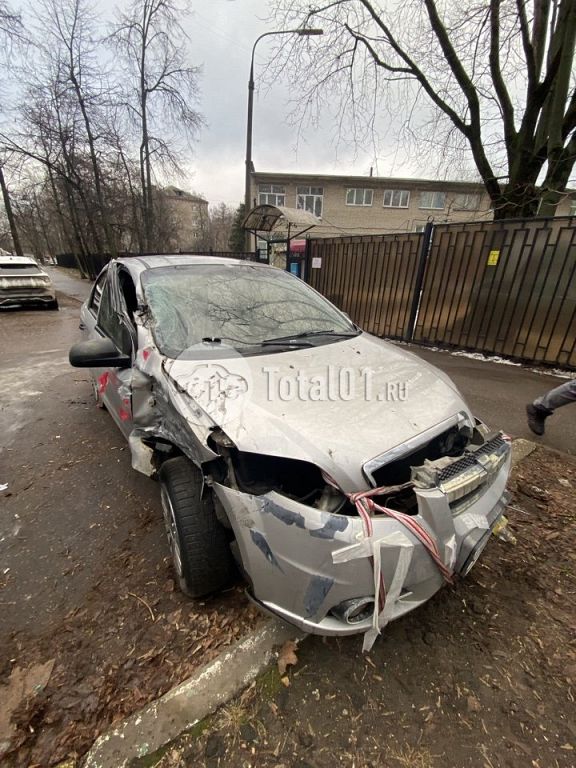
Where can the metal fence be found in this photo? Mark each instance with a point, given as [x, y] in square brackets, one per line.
[91, 264]
[370, 278]
[497, 287]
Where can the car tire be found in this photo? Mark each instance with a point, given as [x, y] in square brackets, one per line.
[52, 304]
[199, 544]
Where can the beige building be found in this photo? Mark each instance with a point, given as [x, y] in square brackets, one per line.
[365, 205]
[189, 214]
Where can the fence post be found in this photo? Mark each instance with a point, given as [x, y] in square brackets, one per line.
[308, 261]
[419, 281]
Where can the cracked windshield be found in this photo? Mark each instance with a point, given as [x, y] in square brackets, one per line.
[238, 307]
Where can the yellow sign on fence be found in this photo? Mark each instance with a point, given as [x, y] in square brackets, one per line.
[493, 257]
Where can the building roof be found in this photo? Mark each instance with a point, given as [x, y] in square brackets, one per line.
[173, 191]
[393, 181]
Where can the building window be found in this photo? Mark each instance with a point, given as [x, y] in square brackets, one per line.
[310, 199]
[466, 202]
[419, 226]
[396, 198]
[435, 200]
[573, 208]
[271, 194]
[359, 196]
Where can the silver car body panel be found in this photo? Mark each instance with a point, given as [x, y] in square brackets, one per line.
[302, 561]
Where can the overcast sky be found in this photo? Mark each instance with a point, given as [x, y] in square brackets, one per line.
[222, 33]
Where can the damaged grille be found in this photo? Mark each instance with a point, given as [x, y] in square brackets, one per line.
[490, 449]
[451, 442]
[463, 480]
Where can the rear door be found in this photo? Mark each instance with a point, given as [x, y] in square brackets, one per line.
[115, 384]
[89, 311]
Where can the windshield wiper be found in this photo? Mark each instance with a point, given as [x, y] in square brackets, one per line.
[307, 334]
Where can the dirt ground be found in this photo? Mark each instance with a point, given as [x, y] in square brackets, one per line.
[483, 676]
[90, 623]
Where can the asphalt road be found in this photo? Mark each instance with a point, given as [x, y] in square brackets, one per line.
[71, 494]
[498, 394]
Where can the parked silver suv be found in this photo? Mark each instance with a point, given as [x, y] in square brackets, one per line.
[23, 281]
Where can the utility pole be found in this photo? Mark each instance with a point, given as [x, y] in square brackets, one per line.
[303, 32]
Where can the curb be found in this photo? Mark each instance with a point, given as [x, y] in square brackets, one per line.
[521, 449]
[180, 709]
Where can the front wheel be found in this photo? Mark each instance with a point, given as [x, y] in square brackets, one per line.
[198, 542]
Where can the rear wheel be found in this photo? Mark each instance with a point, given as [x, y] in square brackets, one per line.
[198, 542]
[52, 304]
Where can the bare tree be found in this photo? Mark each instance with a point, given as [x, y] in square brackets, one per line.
[162, 89]
[237, 240]
[70, 36]
[78, 119]
[494, 78]
[10, 30]
[220, 226]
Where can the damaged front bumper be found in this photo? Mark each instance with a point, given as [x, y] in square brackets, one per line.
[319, 570]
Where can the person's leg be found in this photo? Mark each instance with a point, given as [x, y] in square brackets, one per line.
[544, 406]
[557, 397]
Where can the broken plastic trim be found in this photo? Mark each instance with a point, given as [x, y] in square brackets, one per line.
[259, 474]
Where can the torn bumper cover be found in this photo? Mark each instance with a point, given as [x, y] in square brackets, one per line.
[323, 572]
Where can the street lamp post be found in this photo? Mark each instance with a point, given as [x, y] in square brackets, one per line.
[303, 32]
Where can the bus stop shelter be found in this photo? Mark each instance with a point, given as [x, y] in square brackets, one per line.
[278, 224]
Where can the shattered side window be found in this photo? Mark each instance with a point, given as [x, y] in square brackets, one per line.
[109, 321]
[97, 293]
[238, 305]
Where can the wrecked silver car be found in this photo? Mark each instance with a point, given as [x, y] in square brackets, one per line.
[345, 477]
[23, 281]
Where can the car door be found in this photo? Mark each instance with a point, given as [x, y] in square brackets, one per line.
[89, 311]
[115, 384]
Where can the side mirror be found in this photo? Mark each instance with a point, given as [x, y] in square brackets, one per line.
[98, 353]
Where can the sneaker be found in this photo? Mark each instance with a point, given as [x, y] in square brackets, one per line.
[537, 415]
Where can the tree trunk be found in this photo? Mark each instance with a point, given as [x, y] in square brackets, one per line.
[516, 203]
[10, 214]
[103, 214]
[81, 251]
[65, 238]
[146, 177]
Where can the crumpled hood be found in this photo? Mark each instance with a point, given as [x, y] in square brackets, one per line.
[336, 405]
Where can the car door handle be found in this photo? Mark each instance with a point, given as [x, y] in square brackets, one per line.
[82, 327]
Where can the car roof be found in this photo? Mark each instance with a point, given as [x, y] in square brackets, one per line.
[136, 265]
